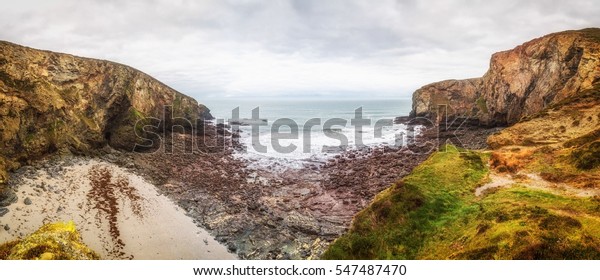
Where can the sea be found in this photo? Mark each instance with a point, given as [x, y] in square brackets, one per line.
[294, 133]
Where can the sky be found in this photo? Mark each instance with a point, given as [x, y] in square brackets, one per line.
[296, 48]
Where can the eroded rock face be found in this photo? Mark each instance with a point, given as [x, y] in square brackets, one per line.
[519, 82]
[51, 101]
[456, 96]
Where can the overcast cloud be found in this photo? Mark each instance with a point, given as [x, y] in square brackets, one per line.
[302, 48]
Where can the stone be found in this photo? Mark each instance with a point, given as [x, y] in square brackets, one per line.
[27, 201]
[3, 211]
[6, 227]
[302, 223]
[7, 197]
[231, 247]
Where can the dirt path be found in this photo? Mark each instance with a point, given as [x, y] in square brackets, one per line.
[532, 181]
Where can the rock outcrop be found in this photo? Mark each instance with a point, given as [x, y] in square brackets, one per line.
[51, 102]
[520, 82]
[56, 241]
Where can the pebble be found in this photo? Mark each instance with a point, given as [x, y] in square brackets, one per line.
[6, 227]
[27, 201]
[3, 211]
[231, 247]
[7, 197]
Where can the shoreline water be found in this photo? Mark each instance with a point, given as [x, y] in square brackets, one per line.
[310, 132]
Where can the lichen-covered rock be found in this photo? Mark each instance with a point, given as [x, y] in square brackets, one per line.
[51, 101]
[57, 241]
[520, 82]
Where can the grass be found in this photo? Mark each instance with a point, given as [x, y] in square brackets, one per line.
[591, 33]
[402, 218]
[522, 223]
[588, 156]
[433, 214]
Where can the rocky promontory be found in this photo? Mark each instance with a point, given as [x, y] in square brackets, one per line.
[52, 102]
[519, 82]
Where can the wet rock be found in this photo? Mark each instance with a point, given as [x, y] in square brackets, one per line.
[7, 197]
[231, 247]
[3, 211]
[302, 223]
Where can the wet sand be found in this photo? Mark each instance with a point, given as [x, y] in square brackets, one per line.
[119, 214]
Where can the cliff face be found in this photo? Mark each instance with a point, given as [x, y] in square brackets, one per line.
[459, 95]
[519, 82]
[51, 101]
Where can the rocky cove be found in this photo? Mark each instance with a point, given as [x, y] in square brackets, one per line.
[255, 212]
[60, 111]
[288, 214]
[100, 111]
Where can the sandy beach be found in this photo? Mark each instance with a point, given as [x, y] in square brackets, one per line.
[119, 214]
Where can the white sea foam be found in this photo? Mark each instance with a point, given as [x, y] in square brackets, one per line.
[315, 148]
[320, 145]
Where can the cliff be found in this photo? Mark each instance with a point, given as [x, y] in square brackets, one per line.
[51, 101]
[520, 82]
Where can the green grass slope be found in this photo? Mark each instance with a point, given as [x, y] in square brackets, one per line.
[433, 214]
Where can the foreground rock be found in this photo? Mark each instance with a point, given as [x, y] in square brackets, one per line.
[519, 82]
[57, 241]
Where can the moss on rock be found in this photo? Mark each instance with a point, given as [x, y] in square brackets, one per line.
[57, 241]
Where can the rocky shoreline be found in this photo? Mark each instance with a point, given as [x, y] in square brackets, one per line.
[259, 213]
[287, 214]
